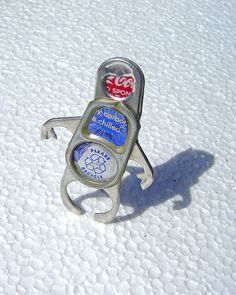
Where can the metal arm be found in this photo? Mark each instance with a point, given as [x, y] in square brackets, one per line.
[70, 123]
[139, 156]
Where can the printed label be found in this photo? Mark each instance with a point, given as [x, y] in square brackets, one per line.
[119, 86]
[109, 124]
[94, 161]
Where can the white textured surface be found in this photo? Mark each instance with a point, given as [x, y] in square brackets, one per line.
[49, 54]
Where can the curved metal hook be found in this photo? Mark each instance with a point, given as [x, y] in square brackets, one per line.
[67, 201]
[139, 157]
[70, 123]
[114, 195]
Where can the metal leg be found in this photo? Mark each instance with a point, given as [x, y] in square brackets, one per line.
[70, 123]
[66, 179]
[113, 193]
[139, 156]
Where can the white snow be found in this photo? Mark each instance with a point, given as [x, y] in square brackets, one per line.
[178, 237]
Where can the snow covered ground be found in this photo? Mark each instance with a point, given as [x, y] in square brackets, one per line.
[178, 237]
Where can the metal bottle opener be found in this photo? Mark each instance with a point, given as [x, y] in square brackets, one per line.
[106, 136]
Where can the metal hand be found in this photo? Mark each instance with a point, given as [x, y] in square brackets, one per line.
[139, 156]
[70, 123]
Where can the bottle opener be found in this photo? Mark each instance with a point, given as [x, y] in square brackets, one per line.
[106, 136]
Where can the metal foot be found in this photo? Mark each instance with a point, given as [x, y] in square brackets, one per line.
[114, 195]
[70, 123]
[139, 156]
[66, 179]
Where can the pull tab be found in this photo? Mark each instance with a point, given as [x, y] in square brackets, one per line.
[120, 79]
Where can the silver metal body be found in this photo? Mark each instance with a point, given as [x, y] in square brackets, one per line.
[106, 136]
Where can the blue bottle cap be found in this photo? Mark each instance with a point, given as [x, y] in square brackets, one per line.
[95, 162]
[110, 124]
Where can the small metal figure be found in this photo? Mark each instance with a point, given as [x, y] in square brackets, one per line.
[106, 136]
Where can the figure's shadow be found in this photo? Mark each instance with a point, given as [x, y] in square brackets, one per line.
[172, 178]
